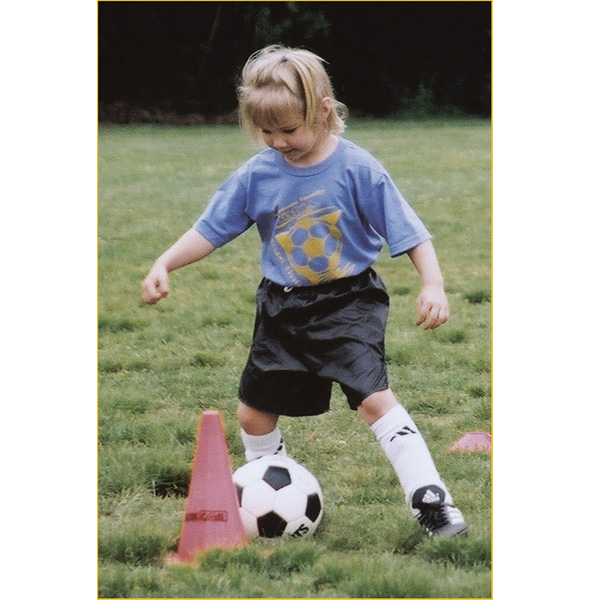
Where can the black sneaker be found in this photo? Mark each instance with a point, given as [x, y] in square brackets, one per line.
[434, 514]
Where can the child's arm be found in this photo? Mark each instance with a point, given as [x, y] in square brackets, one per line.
[191, 247]
[432, 303]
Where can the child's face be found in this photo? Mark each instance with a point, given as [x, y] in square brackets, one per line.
[299, 145]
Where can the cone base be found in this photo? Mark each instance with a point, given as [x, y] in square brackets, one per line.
[175, 559]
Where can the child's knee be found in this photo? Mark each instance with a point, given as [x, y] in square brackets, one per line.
[256, 422]
[377, 405]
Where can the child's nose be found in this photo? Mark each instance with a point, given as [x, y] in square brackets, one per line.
[279, 143]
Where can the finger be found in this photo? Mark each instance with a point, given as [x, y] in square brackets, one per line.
[443, 315]
[150, 295]
[423, 311]
[437, 318]
[152, 292]
[432, 321]
[427, 315]
[163, 288]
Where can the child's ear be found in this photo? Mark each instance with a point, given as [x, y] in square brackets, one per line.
[325, 109]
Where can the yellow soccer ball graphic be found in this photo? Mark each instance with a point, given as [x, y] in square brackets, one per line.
[313, 246]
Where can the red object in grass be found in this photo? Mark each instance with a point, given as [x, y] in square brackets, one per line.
[212, 517]
[474, 441]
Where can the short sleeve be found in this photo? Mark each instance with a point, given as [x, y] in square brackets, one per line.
[388, 212]
[225, 216]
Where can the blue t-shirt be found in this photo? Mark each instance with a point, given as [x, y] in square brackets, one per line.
[316, 223]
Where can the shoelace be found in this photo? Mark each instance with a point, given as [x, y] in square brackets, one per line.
[433, 517]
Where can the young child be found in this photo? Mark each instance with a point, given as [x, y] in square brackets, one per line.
[322, 206]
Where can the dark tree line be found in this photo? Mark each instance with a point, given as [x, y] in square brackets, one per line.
[384, 57]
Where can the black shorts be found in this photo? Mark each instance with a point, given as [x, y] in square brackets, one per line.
[306, 338]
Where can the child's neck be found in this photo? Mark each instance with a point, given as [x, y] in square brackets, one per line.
[328, 148]
[325, 147]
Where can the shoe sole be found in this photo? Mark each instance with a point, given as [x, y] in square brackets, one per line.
[451, 531]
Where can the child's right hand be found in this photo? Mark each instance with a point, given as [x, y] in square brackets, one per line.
[189, 248]
[155, 285]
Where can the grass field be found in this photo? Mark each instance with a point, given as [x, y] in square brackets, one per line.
[160, 366]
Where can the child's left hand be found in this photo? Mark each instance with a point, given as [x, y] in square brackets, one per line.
[433, 307]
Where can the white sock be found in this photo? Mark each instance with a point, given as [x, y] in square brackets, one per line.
[261, 445]
[406, 450]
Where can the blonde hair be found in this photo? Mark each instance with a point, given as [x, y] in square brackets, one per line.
[279, 82]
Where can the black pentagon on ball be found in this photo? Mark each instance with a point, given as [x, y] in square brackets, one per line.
[239, 492]
[314, 507]
[271, 525]
[277, 477]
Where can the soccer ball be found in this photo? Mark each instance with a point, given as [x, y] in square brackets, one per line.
[278, 497]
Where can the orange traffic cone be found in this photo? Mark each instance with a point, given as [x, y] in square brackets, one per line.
[212, 517]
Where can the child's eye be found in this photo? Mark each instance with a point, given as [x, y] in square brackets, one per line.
[289, 131]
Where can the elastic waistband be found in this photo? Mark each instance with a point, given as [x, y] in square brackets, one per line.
[345, 282]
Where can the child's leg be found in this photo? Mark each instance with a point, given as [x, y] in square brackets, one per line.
[401, 441]
[260, 432]
[404, 446]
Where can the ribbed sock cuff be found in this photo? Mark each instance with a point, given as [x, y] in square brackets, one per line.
[261, 445]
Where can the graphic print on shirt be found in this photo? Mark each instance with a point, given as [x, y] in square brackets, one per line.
[309, 241]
